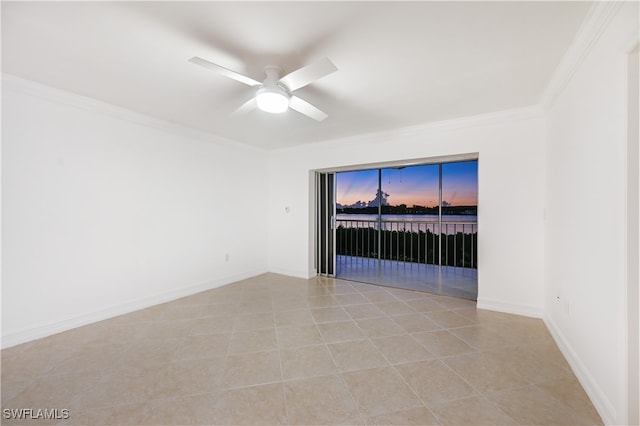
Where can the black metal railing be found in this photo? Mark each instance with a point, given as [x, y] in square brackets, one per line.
[456, 244]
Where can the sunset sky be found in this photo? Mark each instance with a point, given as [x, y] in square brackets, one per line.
[415, 185]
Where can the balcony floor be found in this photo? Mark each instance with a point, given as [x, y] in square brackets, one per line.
[446, 280]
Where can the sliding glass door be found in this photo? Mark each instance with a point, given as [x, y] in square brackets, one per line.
[410, 227]
[325, 223]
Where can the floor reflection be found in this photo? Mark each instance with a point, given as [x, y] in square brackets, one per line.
[446, 280]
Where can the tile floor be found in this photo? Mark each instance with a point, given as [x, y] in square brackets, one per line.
[280, 350]
[446, 280]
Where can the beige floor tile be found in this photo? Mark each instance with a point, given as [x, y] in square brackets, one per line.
[401, 349]
[425, 305]
[322, 301]
[522, 331]
[255, 405]
[448, 319]
[212, 325]
[365, 288]
[253, 341]
[125, 414]
[569, 392]
[170, 364]
[380, 391]
[123, 385]
[532, 405]
[204, 346]
[344, 331]
[76, 337]
[257, 297]
[219, 296]
[294, 337]
[119, 333]
[320, 291]
[296, 317]
[486, 371]
[166, 329]
[407, 294]
[255, 306]
[320, 401]
[351, 299]
[31, 364]
[309, 361]
[434, 382]
[290, 304]
[136, 384]
[12, 388]
[454, 302]
[250, 322]
[380, 296]
[482, 316]
[550, 352]
[358, 355]
[337, 286]
[442, 343]
[395, 308]
[413, 323]
[148, 351]
[379, 327]
[91, 357]
[367, 310]
[480, 337]
[252, 369]
[190, 311]
[330, 314]
[187, 410]
[414, 416]
[56, 391]
[194, 376]
[475, 410]
[531, 365]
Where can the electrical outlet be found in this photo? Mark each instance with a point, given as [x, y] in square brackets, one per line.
[227, 257]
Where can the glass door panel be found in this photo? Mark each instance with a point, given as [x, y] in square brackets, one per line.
[357, 238]
[412, 227]
[325, 223]
[409, 214]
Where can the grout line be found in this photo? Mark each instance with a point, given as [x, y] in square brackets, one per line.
[339, 373]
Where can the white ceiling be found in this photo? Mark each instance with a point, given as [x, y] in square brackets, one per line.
[399, 63]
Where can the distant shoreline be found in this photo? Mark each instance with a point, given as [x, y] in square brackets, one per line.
[415, 210]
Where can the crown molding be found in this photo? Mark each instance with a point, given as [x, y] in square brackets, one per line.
[598, 18]
[434, 128]
[63, 97]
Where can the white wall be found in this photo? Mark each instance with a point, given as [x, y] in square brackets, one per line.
[585, 229]
[106, 211]
[510, 213]
[633, 234]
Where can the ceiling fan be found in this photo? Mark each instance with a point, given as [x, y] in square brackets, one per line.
[274, 93]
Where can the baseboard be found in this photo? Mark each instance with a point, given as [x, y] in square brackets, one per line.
[41, 330]
[305, 275]
[509, 308]
[600, 401]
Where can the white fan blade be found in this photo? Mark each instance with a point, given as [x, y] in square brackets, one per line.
[225, 71]
[308, 74]
[304, 107]
[250, 105]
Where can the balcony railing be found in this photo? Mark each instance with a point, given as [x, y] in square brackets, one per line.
[414, 241]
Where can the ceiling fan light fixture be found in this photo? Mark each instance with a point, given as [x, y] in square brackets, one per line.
[272, 100]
